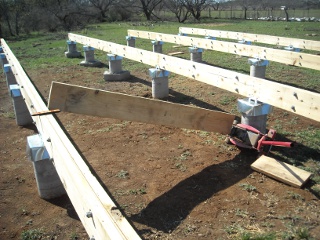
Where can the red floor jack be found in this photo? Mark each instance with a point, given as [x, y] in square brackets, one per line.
[245, 136]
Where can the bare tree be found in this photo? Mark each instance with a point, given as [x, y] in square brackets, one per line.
[195, 7]
[148, 6]
[102, 6]
[178, 9]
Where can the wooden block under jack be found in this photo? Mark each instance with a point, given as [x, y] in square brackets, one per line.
[281, 171]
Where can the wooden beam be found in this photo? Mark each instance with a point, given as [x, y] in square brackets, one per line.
[297, 59]
[275, 40]
[299, 101]
[82, 187]
[101, 103]
[281, 171]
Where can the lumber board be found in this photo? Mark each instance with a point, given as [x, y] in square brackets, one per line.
[94, 102]
[82, 187]
[262, 38]
[292, 99]
[281, 171]
[297, 59]
[175, 53]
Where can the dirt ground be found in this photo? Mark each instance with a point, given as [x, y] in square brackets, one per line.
[170, 183]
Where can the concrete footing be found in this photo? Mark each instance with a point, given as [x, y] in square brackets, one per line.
[21, 111]
[3, 59]
[292, 49]
[72, 50]
[115, 72]
[48, 182]
[10, 78]
[258, 67]
[89, 60]
[244, 42]
[196, 54]
[131, 41]
[160, 83]
[254, 113]
[210, 38]
[157, 46]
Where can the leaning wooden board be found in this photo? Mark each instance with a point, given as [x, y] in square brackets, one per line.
[281, 171]
[94, 102]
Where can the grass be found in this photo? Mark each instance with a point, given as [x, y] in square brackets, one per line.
[32, 234]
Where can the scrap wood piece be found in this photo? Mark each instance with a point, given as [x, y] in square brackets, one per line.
[281, 171]
[175, 53]
[94, 102]
[46, 112]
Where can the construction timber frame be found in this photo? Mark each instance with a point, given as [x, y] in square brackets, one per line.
[292, 99]
[297, 59]
[268, 39]
[105, 221]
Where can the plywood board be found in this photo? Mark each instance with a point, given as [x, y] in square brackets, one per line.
[82, 100]
[298, 59]
[281, 171]
[286, 97]
[275, 40]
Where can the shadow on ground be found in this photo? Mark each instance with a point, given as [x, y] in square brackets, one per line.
[166, 212]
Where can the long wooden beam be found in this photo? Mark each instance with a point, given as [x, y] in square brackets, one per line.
[82, 187]
[298, 59]
[101, 103]
[274, 40]
[292, 99]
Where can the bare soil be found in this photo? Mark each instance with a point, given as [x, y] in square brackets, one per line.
[170, 183]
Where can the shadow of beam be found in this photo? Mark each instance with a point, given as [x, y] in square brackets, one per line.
[167, 211]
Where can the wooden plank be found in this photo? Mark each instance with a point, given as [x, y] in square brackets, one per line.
[268, 39]
[281, 171]
[298, 59]
[101, 103]
[175, 53]
[83, 189]
[292, 99]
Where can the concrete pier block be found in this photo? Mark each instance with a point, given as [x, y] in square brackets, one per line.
[195, 54]
[254, 113]
[10, 78]
[48, 181]
[244, 42]
[258, 67]
[72, 50]
[210, 38]
[3, 59]
[115, 72]
[89, 60]
[160, 83]
[157, 46]
[21, 111]
[292, 49]
[131, 41]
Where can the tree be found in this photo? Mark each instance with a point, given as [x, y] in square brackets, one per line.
[178, 9]
[102, 6]
[148, 6]
[195, 7]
